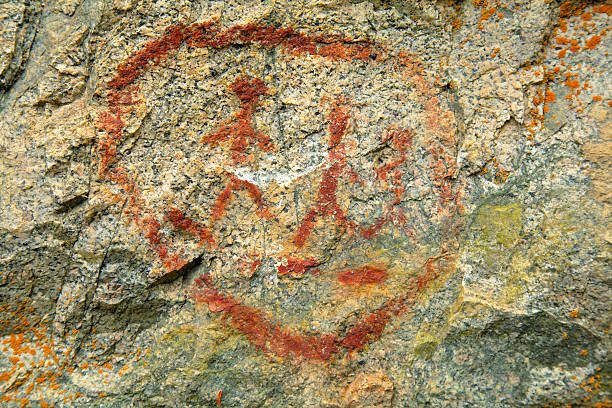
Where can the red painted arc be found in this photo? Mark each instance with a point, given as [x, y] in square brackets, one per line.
[274, 338]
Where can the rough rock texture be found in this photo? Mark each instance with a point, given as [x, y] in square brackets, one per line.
[323, 203]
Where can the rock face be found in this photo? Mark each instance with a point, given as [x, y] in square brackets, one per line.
[330, 203]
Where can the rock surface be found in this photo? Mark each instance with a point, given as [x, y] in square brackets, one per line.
[328, 203]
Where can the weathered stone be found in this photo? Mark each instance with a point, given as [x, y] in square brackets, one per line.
[324, 204]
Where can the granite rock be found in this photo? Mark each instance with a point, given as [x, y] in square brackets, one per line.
[327, 203]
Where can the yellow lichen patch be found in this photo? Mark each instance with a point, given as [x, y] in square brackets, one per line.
[470, 308]
[499, 224]
[428, 337]
[506, 270]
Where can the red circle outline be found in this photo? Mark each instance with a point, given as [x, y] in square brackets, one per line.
[265, 335]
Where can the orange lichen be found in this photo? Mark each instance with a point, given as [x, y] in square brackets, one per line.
[604, 8]
[32, 339]
[486, 14]
[574, 84]
[572, 8]
[480, 3]
[593, 42]
[597, 98]
[538, 98]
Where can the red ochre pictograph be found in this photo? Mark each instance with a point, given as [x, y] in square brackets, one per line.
[241, 131]
[261, 330]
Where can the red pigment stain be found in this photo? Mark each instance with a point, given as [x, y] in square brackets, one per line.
[225, 197]
[257, 328]
[179, 221]
[264, 334]
[439, 124]
[254, 265]
[153, 52]
[327, 203]
[210, 34]
[401, 140]
[248, 265]
[339, 51]
[367, 330]
[298, 267]
[373, 230]
[241, 130]
[285, 342]
[366, 275]
[151, 231]
[111, 122]
[442, 177]
[120, 102]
